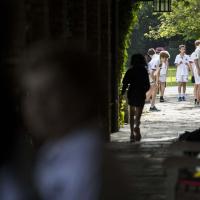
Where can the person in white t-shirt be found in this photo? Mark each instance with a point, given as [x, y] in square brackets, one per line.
[153, 77]
[196, 57]
[194, 75]
[182, 64]
[164, 56]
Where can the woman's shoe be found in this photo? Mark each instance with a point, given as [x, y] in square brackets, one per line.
[137, 134]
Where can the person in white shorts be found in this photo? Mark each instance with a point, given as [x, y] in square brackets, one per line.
[197, 67]
[195, 75]
[164, 56]
[182, 64]
[152, 66]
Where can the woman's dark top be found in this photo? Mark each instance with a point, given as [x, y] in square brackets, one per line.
[137, 81]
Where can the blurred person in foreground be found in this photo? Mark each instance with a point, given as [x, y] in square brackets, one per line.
[62, 111]
[137, 81]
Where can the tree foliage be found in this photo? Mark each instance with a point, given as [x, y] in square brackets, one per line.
[128, 17]
[146, 18]
[128, 20]
[182, 21]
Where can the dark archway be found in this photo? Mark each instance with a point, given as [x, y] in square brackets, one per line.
[102, 23]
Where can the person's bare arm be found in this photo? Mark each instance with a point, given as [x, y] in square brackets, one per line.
[190, 68]
[177, 64]
[157, 75]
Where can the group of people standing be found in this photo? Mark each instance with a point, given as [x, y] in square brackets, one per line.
[148, 74]
[184, 64]
[157, 69]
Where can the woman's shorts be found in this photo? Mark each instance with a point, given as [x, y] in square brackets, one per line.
[182, 78]
[137, 102]
[162, 78]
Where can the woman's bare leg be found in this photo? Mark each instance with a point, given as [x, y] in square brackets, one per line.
[138, 114]
[154, 93]
[162, 89]
[132, 116]
[179, 88]
[198, 93]
[149, 93]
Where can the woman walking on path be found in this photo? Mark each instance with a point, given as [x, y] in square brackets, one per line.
[137, 81]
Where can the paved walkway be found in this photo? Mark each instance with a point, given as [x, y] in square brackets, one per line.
[173, 119]
[142, 162]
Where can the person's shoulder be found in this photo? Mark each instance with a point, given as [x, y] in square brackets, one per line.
[129, 71]
[150, 62]
[197, 50]
[177, 57]
[155, 57]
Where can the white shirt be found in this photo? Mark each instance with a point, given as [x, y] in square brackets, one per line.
[163, 69]
[192, 58]
[154, 63]
[182, 69]
[69, 168]
[197, 54]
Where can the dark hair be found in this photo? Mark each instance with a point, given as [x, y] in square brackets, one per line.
[138, 60]
[151, 52]
[159, 49]
[197, 42]
[147, 58]
[75, 77]
[181, 46]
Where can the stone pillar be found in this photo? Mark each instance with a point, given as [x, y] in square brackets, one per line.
[115, 69]
[106, 61]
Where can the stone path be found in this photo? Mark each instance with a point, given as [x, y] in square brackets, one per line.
[142, 162]
[173, 119]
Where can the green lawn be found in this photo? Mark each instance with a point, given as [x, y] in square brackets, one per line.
[171, 77]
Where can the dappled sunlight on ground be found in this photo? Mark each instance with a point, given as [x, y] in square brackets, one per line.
[174, 118]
